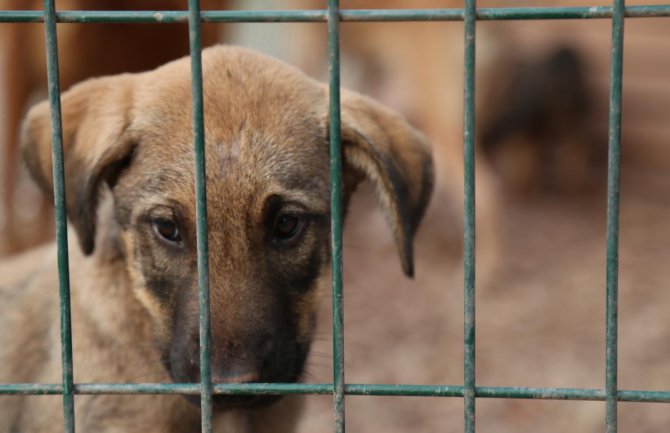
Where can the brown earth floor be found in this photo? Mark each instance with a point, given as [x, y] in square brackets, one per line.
[540, 317]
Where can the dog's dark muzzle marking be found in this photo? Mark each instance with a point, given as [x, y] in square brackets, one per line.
[272, 360]
[222, 403]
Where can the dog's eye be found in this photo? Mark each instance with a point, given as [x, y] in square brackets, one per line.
[287, 227]
[167, 230]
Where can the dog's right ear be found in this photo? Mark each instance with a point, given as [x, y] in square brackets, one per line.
[380, 146]
[95, 116]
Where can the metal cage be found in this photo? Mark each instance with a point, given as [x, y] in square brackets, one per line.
[338, 388]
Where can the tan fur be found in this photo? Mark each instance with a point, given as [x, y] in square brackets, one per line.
[266, 136]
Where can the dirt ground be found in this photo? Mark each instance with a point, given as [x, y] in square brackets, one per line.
[540, 317]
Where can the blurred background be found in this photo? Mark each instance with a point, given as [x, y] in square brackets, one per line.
[542, 99]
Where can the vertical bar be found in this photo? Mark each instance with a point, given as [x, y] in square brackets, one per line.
[336, 212]
[613, 188]
[469, 214]
[59, 204]
[201, 216]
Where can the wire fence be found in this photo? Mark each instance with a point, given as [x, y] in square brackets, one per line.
[333, 16]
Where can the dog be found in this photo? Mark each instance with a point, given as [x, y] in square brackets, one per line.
[544, 142]
[108, 48]
[129, 177]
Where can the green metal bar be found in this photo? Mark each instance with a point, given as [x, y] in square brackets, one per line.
[494, 14]
[484, 14]
[61, 215]
[573, 394]
[201, 216]
[613, 188]
[469, 214]
[336, 212]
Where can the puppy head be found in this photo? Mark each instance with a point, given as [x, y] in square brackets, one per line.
[268, 199]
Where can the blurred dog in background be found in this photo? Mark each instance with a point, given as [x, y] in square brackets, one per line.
[544, 141]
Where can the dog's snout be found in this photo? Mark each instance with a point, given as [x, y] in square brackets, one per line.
[232, 363]
[244, 377]
[241, 366]
[240, 362]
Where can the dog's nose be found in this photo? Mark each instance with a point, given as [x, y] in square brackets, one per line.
[240, 361]
[236, 377]
[240, 366]
[238, 372]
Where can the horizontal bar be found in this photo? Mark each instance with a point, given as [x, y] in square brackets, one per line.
[494, 14]
[350, 389]
[351, 15]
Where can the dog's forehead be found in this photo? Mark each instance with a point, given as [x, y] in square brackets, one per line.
[249, 100]
[241, 88]
[264, 123]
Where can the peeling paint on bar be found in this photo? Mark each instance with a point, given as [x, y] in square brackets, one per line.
[613, 191]
[469, 215]
[336, 212]
[58, 170]
[386, 15]
[194, 22]
[398, 390]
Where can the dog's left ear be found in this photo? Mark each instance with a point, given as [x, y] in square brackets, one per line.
[379, 145]
[95, 115]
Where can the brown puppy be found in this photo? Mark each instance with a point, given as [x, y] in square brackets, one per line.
[129, 159]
